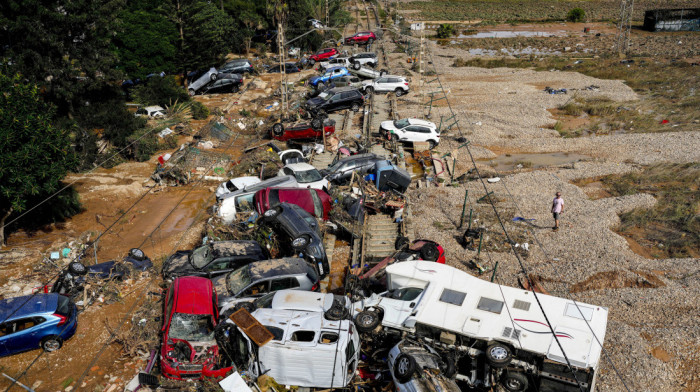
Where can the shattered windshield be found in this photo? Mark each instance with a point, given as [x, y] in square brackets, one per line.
[324, 96]
[201, 256]
[191, 327]
[238, 280]
[400, 124]
[307, 176]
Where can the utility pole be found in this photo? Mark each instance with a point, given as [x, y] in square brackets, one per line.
[283, 71]
[622, 42]
[421, 58]
[327, 13]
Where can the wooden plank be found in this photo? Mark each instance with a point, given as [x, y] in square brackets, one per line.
[251, 327]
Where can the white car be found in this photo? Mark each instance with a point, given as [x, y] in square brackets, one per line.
[316, 24]
[202, 81]
[335, 62]
[151, 111]
[411, 130]
[387, 83]
[364, 58]
[306, 175]
[335, 306]
[235, 184]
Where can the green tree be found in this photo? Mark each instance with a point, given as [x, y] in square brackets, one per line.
[576, 15]
[160, 91]
[35, 154]
[445, 31]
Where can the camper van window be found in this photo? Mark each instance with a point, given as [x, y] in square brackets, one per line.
[303, 336]
[278, 333]
[573, 311]
[328, 337]
[405, 294]
[349, 351]
[490, 305]
[453, 297]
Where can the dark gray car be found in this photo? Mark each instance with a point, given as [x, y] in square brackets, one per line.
[336, 99]
[342, 170]
[213, 259]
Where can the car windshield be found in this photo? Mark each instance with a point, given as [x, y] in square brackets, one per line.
[265, 301]
[191, 327]
[399, 124]
[200, 257]
[335, 166]
[244, 203]
[238, 280]
[307, 176]
[324, 96]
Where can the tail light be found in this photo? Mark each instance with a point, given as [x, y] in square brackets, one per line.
[314, 287]
[62, 319]
[405, 83]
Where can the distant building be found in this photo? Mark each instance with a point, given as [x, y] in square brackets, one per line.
[684, 19]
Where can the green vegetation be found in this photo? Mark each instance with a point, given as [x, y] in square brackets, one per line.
[666, 90]
[672, 227]
[445, 31]
[576, 15]
[160, 91]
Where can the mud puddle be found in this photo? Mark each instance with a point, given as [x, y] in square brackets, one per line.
[512, 34]
[510, 162]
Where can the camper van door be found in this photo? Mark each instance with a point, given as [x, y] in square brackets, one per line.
[399, 304]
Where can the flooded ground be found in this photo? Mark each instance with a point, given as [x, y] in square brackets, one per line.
[508, 162]
[511, 34]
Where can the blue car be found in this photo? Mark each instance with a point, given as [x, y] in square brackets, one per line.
[330, 74]
[39, 321]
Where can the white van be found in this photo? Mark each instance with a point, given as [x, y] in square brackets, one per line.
[496, 326]
[308, 350]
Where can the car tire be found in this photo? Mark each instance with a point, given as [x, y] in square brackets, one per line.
[404, 367]
[498, 355]
[514, 381]
[369, 90]
[213, 77]
[398, 92]
[312, 62]
[270, 215]
[317, 123]
[51, 343]
[278, 129]
[355, 107]
[137, 254]
[77, 268]
[367, 321]
[373, 65]
[448, 367]
[432, 144]
[300, 243]
[235, 89]
[336, 312]
[191, 92]
[382, 72]
[356, 65]
[401, 243]
[429, 252]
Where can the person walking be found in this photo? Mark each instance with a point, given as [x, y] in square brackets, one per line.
[557, 209]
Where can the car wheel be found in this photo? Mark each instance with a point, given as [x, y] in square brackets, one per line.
[277, 130]
[369, 90]
[398, 92]
[246, 75]
[271, 214]
[312, 62]
[316, 123]
[355, 107]
[367, 321]
[429, 252]
[235, 89]
[356, 65]
[514, 382]
[77, 268]
[51, 343]
[191, 92]
[336, 312]
[448, 367]
[300, 243]
[213, 77]
[432, 144]
[373, 65]
[401, 243]
[404, 367]
[382, 72]
[137, 254]
[498, 355]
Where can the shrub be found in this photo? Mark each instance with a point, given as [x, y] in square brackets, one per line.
[199, 111]
[445, 31]
[576, 15]
[160, 91]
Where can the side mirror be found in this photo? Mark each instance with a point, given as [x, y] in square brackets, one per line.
[412, 305]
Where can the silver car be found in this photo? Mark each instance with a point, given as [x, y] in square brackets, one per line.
[202, 81]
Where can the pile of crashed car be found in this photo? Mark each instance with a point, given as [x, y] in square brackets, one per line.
[252, 306]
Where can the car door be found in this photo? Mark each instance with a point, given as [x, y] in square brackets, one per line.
[399, 304]
[334, 103]
[25, 334]
[283, 284]
[381, 84]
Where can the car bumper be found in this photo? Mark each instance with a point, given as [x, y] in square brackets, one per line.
[72, 326]
[174, 373]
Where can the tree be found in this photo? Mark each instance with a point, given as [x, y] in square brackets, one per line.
[445, 31]
[576, 15]
[35, 154]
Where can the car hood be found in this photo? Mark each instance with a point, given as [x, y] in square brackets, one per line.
[314, 101]
[388, 125]
[315, 79]
[219, 283]
[178, 264]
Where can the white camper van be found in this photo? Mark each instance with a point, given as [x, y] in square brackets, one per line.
[488, 326]
[308, 350]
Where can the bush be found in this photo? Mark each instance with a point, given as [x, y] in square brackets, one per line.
[199, 111]
[160, 91]
[576, 15]
[445, 31]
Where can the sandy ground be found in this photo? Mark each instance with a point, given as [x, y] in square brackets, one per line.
[652, 336]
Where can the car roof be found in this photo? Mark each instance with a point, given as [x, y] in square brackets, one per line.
[275, 267]
[341, 89]
[366, 54]
[152, 108]
[194, 295]
[301, 166]
[292, 320]
[236, 247]
[18, 307]
[393, 76]
[418, 121]
[302, 300]
[359, 156]
[334, 68]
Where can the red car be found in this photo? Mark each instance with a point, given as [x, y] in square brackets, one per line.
[302, 131]
[314, 201]
[189, 349]
[363, 37]
[322, 54]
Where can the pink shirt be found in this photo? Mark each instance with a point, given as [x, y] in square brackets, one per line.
[557, 204]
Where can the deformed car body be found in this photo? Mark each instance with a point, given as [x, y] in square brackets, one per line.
[241, 200]
[314, 201]
[417, 367]
[213, 259]
[36, 321]
[189, 349]
[298, 232]
[342, 169]
[306, 175]
[500, 329]
[335, 99]
[334, 307]
[235, 184]
[302, 130]
[307, 350]
[329, 74]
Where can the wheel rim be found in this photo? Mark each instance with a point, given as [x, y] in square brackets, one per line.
[52, 345]
[514, 384]
[79, 268]
[499, 353]
[403, 366]
[366, 320]
[138, 253]
[299, 242]
[270, 213]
